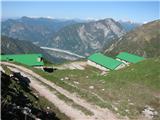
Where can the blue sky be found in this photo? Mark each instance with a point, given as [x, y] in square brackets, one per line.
[136, 11]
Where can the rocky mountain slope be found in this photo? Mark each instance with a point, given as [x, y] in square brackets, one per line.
[78, 36]
[144, 41]
[85, 38]
[14, 46]
[37, 30]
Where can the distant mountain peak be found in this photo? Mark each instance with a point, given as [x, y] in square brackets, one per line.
[37, 17]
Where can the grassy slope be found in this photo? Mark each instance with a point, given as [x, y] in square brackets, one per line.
[143, 41]
[128, 89]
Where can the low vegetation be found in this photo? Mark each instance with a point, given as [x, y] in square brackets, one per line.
[126, 91]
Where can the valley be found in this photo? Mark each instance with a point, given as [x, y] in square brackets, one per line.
[80, 37]
[103, 65]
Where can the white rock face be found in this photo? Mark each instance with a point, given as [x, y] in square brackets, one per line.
[102, 27]
[118, 31]
[88, 37]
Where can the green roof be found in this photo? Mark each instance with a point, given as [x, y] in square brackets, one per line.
[27, 59]
[129, 57]
[104, 61]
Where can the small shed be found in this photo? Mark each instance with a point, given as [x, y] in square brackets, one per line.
[103, 62]
[27, 59]
[128, 58]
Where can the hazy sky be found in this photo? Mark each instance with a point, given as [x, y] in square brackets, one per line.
[136, 11]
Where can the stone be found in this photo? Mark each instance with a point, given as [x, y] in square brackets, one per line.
[75, 82]
[91, 87]
[102, 89]
[66, 78]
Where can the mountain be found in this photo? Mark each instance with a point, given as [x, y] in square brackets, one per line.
[86, 38]
[37, 30]
[143, 41]
[82, 37]
[129, 25]
[14, 46]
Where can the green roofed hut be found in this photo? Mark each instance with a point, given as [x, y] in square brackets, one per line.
[128, 58]
[27, 59]
[103, 62]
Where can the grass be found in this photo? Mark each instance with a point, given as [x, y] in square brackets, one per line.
[56, 76]
[129, 89]
[67, 100]
[7, 70]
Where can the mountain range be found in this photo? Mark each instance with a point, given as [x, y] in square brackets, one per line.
[78, 36]
[86, 38]
[36, 30]
[27, 35]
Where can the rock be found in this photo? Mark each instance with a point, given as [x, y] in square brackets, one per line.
[75, 82]
[1, 69]
[102, 89]
[37, 119]
[115, 108]
[66, 78]
[18, 107]
[155, 113]
[91, 87]
[149, 112]
[103, 73]
[131, 103]
[127, 110]
[26, 95]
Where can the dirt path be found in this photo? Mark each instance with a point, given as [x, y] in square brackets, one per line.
[74, 65]
[73, 113]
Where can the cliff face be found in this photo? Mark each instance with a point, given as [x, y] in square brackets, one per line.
[86, 38]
